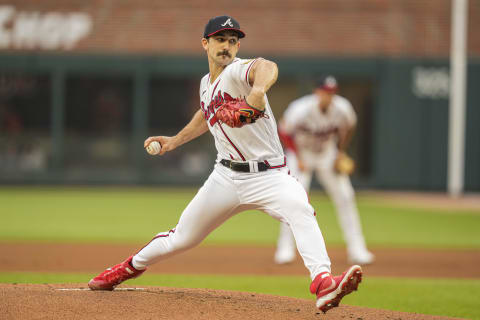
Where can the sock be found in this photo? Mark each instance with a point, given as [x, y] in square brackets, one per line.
[136, 267]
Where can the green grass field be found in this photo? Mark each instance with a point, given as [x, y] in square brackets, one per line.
[124, 215]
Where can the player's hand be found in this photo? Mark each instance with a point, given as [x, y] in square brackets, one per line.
[167, 143]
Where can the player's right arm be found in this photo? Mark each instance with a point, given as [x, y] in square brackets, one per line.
[195, 128]
[263, 75]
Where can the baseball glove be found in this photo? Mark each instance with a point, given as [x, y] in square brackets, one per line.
[237, 112]
[344, 164]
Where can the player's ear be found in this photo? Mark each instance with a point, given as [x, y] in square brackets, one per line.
[205, 43]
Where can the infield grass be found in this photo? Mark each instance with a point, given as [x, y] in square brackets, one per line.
[425, 296]
[133, 215]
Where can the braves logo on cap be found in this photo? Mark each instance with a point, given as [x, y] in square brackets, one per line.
[327, 82]
[228, 22]
[222, 23]
[330, 82]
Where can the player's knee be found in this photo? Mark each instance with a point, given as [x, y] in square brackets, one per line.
[346, 197]
[299, 206]
[182, 243]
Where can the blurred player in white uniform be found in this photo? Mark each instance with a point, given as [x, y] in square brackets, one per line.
[250, 172]
[316, 130]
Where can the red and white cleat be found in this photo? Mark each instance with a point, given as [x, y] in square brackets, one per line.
[112, 277]
[330, 290]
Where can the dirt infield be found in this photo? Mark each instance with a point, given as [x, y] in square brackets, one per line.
[48, 302]
[235, 260]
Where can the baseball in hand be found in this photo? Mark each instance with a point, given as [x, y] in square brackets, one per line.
[154, 148]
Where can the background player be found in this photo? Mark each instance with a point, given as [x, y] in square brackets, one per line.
[250, 172]
[316, 130]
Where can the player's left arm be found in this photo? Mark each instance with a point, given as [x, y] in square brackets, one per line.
[348, 124]
[195, 128]
[343, 163]
[262, 76]
[345, 135]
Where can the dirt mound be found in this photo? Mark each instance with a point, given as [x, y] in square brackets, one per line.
[77, 302]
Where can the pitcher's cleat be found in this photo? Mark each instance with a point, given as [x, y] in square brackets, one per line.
[112, 277]
[330, 290]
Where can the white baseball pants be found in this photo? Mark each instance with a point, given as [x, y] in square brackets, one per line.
[226, 193]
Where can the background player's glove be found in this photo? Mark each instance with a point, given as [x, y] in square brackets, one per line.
[344, 164]
[235, 113]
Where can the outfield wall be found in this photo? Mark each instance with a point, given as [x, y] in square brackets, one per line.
[83, 118]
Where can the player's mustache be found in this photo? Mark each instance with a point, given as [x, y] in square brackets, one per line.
[224, 53]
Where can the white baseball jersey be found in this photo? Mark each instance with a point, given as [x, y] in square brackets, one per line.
[256, 142]
[313, 129]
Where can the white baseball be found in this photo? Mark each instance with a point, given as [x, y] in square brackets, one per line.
[154, 148]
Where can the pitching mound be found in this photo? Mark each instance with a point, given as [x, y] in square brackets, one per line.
[77, 302]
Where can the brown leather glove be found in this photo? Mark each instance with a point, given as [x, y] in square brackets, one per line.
[237, 112]
[344, 164]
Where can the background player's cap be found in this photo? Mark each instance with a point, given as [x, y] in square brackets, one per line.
[221, 23]
[328, 83]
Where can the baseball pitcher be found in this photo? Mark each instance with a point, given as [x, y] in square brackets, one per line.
[250, 171]
[316, 130]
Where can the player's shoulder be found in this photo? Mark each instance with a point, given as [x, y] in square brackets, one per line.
[204, 80]
[238, 70]
[301, 105]
[245, 61]
[340, 99]
[304, 102]
[342, 102]
[203, 84]
[239, 63]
